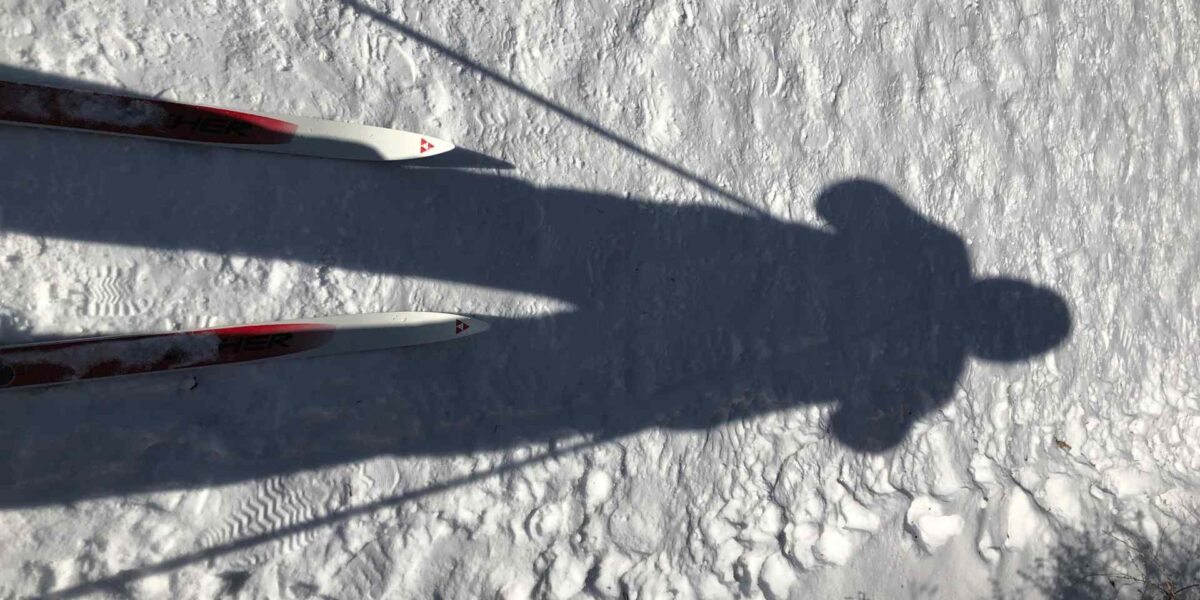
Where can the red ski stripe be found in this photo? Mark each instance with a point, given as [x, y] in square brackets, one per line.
[56, 107]
[60, 362]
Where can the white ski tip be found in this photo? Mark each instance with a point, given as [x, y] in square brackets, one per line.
[316, 137]
[390, 144]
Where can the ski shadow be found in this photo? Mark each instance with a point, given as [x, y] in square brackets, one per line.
[684, 317]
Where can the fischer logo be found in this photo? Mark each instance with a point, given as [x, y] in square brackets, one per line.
[425, 146]
[255, 343]
[460, 327]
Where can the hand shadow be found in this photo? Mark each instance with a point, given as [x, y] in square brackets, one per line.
[680, 311]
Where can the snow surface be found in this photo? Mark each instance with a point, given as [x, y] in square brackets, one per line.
[832, 300]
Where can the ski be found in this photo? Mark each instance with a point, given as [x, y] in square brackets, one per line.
[59, 108]
[49, 363]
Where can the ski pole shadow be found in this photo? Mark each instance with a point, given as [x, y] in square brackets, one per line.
[120, 582]
[684, 317]
[545, 102]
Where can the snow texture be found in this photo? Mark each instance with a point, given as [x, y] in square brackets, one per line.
[788, 300]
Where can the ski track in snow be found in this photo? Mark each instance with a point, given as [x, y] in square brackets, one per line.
[1057, 140]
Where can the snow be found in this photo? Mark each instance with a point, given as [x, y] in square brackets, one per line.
[838, 299]
[932, 528]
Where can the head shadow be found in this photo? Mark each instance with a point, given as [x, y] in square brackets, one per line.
[912, 312]
[683, 317]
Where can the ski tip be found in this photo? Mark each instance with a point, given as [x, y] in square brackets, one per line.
[364, 142]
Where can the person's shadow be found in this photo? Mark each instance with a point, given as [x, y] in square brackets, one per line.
[685, 318]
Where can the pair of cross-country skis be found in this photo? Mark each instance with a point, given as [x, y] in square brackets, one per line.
[64, 361]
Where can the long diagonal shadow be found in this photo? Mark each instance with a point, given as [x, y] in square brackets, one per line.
[553, 106]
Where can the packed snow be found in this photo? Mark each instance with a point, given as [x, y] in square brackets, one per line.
[787, 300]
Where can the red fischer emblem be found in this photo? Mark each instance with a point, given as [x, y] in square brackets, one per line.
[425, 146]
[460, 327]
